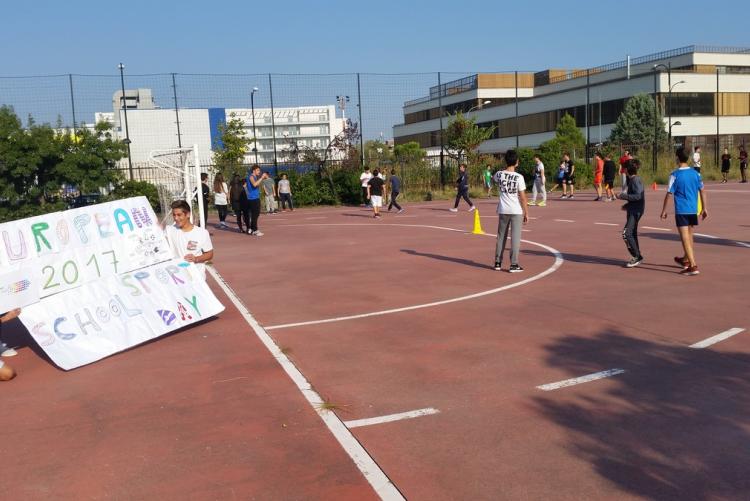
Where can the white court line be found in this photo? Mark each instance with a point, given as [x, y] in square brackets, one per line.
[655, 228]
[404, 216]
[558, 262]
[564, 220]
[391, 417]
[744, 244]
[608, 224]
[717, 338]
[533, 217]
[315, 217]
[369, 468]
[705, 236]
[578, 380]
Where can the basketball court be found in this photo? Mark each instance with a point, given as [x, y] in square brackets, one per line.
[361, 358]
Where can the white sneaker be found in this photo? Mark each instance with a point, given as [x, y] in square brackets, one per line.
[258, 233]
[249, 232]
[453, 210]
[400, 211]
[8, 352]
[472, 208]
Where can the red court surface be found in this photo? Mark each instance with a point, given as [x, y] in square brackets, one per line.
[396, 315]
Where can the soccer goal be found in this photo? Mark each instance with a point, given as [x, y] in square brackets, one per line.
[179, 178]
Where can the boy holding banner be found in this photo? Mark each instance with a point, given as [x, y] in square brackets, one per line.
[187, 240]
[5, 350]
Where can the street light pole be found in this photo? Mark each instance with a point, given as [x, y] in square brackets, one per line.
[656, 114]
[121, 67]
[252, 110]
[669, 108]
[479, 106]
[673, 124]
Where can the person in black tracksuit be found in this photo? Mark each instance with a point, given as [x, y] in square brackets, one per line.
[635, 207]
[462, 189]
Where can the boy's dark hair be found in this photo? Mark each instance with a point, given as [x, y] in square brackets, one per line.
[253, 167]
[511, 158]
[204, 176]
[393, 172]
[632, 166]
[367, 167]
[182, 205]
[598, 154]
[283, 175]
[375, 173]
[537, 156]
[696, 148]
[461, 165]
[682, 155]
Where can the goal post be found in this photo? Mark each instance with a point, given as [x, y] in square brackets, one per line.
[179, 178]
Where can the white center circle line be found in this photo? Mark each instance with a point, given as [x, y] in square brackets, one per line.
[554, 267]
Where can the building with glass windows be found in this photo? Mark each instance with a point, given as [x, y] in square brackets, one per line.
[703, 93]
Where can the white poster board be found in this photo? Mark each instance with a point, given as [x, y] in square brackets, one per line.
[98, 280]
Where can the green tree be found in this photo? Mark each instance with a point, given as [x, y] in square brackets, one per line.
[377, 154]
[463, 137]
[409, 153]
[36, 162]
[569, 137]
[635, 125]
[231, 147]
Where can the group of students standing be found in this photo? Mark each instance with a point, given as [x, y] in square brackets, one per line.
[374, 190]
[244, 196]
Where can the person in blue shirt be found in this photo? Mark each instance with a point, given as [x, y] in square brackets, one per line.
[686, 187]
[462, 189]
[254, 178]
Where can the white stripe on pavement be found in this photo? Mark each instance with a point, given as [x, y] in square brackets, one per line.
[564, 221]
[608, 224]
[578, 380]
[717, 338]
[391, 417]
[655, 228]
[705, 236]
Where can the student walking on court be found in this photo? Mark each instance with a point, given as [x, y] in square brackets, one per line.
[743, 164]
[726, 163]
[609, 171]
[634, 209]
[221, 200]
[487, 175]
[559, 176]
[206, 193]
[598, 175]
[269, 192]
[375, 192]
[539, 183]
[285, 193]
[395, 182]
[462, 189]
[697, 159]
[254, 180]
[238, 197]
[686, 187]
[512, 211]
[626, 156]
[364, 179]
[569, 179]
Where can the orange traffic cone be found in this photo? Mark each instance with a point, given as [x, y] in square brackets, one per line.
[653, 187]
[477, 224]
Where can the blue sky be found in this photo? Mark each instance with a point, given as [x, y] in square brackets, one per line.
[303, 37]
[230, 36]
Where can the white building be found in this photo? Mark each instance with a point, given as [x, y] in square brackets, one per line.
[709, 103]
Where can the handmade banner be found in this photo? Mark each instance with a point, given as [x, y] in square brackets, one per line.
[98, 280]
[81, 326]
[64, 250]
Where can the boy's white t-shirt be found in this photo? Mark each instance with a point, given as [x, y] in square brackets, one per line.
[364, 178]
[196, 242]
[697, 159]
[510, 184]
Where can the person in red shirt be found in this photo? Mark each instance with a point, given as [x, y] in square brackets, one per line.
[743, 164]
[626, 156]
[598, 171]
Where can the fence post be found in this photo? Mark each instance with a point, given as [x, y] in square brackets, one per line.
[718, 105]
[273, 124]
[176, 111]
[442, 154]
[588, 134]
[72, 100]
[361, 128]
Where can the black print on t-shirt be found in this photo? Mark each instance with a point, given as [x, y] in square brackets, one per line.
[509, 184]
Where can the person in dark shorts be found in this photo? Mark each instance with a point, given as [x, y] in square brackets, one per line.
[743, 164]
[569, 180]
[610, 171]
[598, 175]
[686, 187]
[236, 194]
[395, 190]
[726, 163]
[635, 208]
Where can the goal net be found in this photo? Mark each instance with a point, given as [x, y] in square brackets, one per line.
[178, 177]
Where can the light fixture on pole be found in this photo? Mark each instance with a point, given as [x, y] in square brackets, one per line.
[342, 100]
[255, 135]
[676, 122]
[656, 111]
[669, 108]
[121, 67]
[479, 106]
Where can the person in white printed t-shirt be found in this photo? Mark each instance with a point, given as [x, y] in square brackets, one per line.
[191, 243]
[697, 159]
[364, 180]
[512, 211]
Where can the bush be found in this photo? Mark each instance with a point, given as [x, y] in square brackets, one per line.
[348, 187]
[310, 189]
[130, 189]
